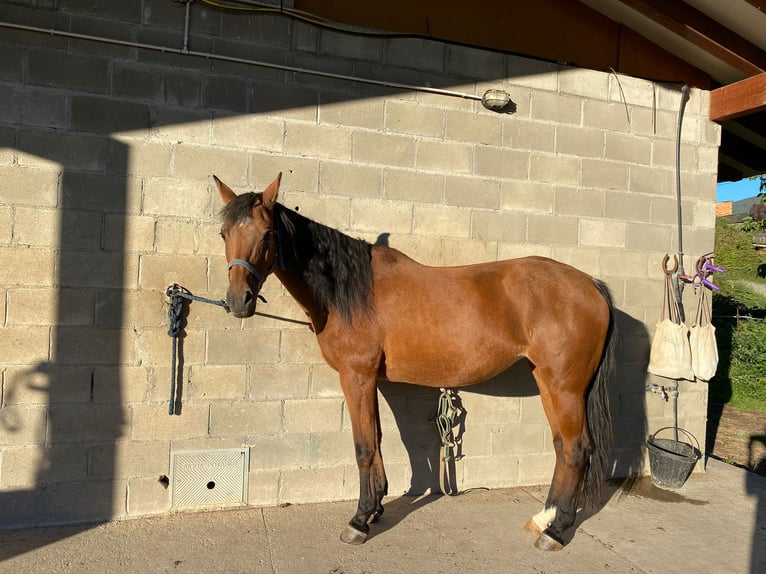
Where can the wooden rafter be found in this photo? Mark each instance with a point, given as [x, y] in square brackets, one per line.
[704, 32]
[741, 98]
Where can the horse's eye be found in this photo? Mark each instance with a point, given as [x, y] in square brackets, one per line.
[222, 236]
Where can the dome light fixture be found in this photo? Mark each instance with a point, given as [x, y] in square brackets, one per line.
[495, 100]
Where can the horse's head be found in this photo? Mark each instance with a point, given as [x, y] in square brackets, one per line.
[249, 231]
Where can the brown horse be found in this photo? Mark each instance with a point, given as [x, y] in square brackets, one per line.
[377, 314]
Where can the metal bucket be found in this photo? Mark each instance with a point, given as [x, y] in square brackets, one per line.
[671, 461]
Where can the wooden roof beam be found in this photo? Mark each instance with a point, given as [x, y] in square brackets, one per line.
[741, 98]
[704, 32]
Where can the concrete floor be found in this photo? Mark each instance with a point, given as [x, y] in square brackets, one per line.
[715, 523]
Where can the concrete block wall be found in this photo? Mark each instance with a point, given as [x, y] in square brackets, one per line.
[106, 153]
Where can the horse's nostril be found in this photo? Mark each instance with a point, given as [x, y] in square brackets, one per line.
[248, 297]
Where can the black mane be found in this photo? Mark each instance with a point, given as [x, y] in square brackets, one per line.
[337, 268]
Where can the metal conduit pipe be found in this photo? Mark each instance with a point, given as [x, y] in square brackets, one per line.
[193, 53]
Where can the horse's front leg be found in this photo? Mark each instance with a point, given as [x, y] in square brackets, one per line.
[362, 402]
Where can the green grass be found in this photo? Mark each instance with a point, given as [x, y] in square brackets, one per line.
[741, 377]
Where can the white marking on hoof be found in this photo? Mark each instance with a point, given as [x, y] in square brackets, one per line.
[351, 535]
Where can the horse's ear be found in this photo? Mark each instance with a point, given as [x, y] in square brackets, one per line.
[226, 192]
[271, 192]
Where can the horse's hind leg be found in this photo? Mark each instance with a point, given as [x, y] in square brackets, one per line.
[566, 415]
[362, 403]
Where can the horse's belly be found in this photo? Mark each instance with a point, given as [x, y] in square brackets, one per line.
[447, 364]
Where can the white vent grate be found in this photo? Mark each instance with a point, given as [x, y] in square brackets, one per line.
[211, 477]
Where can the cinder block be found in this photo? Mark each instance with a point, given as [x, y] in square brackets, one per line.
[444, 156]
[300, 347]
[84, 423]
[503, 227]
[601, 174]
[472, 192]
[49, 110]
[56, 68]
[123, 459]
[121, 384]
[251, 131]
[334, 449]
[440, 221]
[175, 236]
[531, 136]
[43, 306]
[83, 501]
[24, 345]
[149, 422]
[527, 196]
[468, 62]
[350, 180]
[49, 386]
[612, 116]
[381, 216]
[418, 53]
[627, 148]
[586, 259]
[552, 229]
[146, 496]
[263, 487]
[172, 124]
[627, 206]
[246, 419]
[158, 271]
[114, 194]
[536, 468]
[100, 115]
[217, 382]
[235, 347]
[496, 471]
[586, 83]
[30, 466]
[22, 425]
[600, 233]
[77, 345]
[144, 159]
[518, 439]
[515, 250]
[381, 148]
[315, 415]
[561, 170]
[557, 108]
[481, 128]
[410, 118]
[414, 186]
[490, 409]
[364, 113]
[500, 162]
[648, 236]
[338, 44]
[280, 381]
[311, 485]
[18, 180]
[466, 252]
[626, 263]
[176, 197]
[135, 81]
[280, 451]
[579, 141]
[324, 382]
[313, 140]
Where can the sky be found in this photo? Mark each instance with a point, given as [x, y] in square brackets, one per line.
[736, 190]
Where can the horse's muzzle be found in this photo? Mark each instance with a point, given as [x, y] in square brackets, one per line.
[241, 303]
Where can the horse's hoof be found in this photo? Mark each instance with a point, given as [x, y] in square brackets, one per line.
[351, 535]
[532, 527]
[548, 543]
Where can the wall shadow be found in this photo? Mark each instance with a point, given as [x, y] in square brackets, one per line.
[79, 388]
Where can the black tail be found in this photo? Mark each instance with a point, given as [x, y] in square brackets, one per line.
[598, 414]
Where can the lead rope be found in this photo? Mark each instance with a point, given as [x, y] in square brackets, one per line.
[447, 417]
[177, 294]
